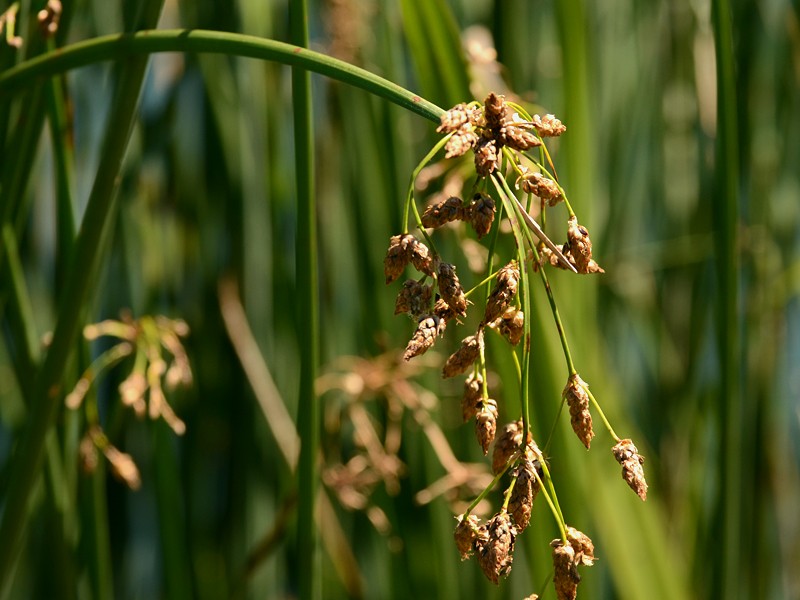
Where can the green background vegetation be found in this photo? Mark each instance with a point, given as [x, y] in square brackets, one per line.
[681, 156]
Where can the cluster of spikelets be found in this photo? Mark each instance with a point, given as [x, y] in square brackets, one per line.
[500, 140]
[160, 363]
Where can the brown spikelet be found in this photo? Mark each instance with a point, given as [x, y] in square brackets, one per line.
[456, 117]
[471, 401]
[428, 327]
[462, 359]
[421, 257]
[466, 534]
[583, 546]
[517, 135]
[481, 214]
[443, 212]
[565, 576]
[580, 247]
[487, 158]
[578, 401]
[486, 424]
[463, 140]
[397, 256]
[495, 553]
[632, 472]
[511, 325]
[507, 445]
[442, 310]
[450, 288]
[505, 288]
[413, 298]
[495, 110]
[543, 187]
[548, 125]
[524, 493]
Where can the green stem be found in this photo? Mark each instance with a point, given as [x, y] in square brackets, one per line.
[80, 282]
[308, 311]
[123, 46]
[415, 173]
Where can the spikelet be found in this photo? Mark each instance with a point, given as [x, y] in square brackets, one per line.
[516, 134]
[471, 401]
[466, 534]
[511, 325]
[496, 552]
[123, 467]
[495, 110]
[421, 257]
[487, 157]
[464, 140]
[583, 546]
[543, 187]
[413, 298]
[456, 117]
[632, 472]
[462, 359]
[505, 288]
[524, 493]
[548, 125]
[565, 576]
[443, 212]
[580, 247]
[428, 327]
[397, 256]
[486, 424]
[481, 214]
[507, 445]
[578, 401]
[442, 310]
[450, 288]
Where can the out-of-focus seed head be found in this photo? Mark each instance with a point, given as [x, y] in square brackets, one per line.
[578, 401]
[486, 424]
[472, 399]
[481, 214]
[462, 359]
[495, 110]
[421, 257]
[583, 546]
[543, 187]
[548, 125]
[507, 445]
[428, 327]
[496, 553]
[565, 576]
[397, 256]
[524, 493]
[457, 117]
[632, 472]
[505, 288]
[414, 298]
[487, 158]
[580, 246]
[466, 534]
[443, 212]
[87, 450]
[123, 467]
[450, 288]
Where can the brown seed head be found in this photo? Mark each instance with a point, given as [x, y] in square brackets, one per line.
[495, 554]
[583, 546]
[443, 212]
[428, 327]
[456, 117]
[414, 298]
[442, 310]
[524, 493]
[486, 424]
[421, 257]
[544, 187]
[517, 135]
[578, 401]
[481, 214]
[397, 256]
[505, 288]
[487, 158]
[511, 325]
[471, 401]
[495, 110]
[565, 577]
[450, 288]
[632, 472]
[462, 359]
[464, 140]
[507, 446]
[580, 245]
[465, 535]
[548, 125]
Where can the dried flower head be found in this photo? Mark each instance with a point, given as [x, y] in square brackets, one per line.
[517, 134]
[471, 401]
[507, 445]
[505, 288]
[421, 258]
[481, 214]
[466, 534]
[548, 125]
[495, 553]
[443, 212]
[487, 157]
[428, 327]
[450, 288]
[495, 110]
[397, 256]
[565, 576]
[526, 488]
[580, 247]
[414, 298]
[511, 325]
[442, 310]
[462, 359]
[583, 546]
[463, 140]
[578, 401]
[632, 472]
[456, 117]
[49, 18]
[486, 424]
[543, 187]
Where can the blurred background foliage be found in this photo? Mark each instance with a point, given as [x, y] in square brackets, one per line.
[206, 227]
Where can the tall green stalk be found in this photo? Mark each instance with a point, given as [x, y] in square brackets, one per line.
[308, 311]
